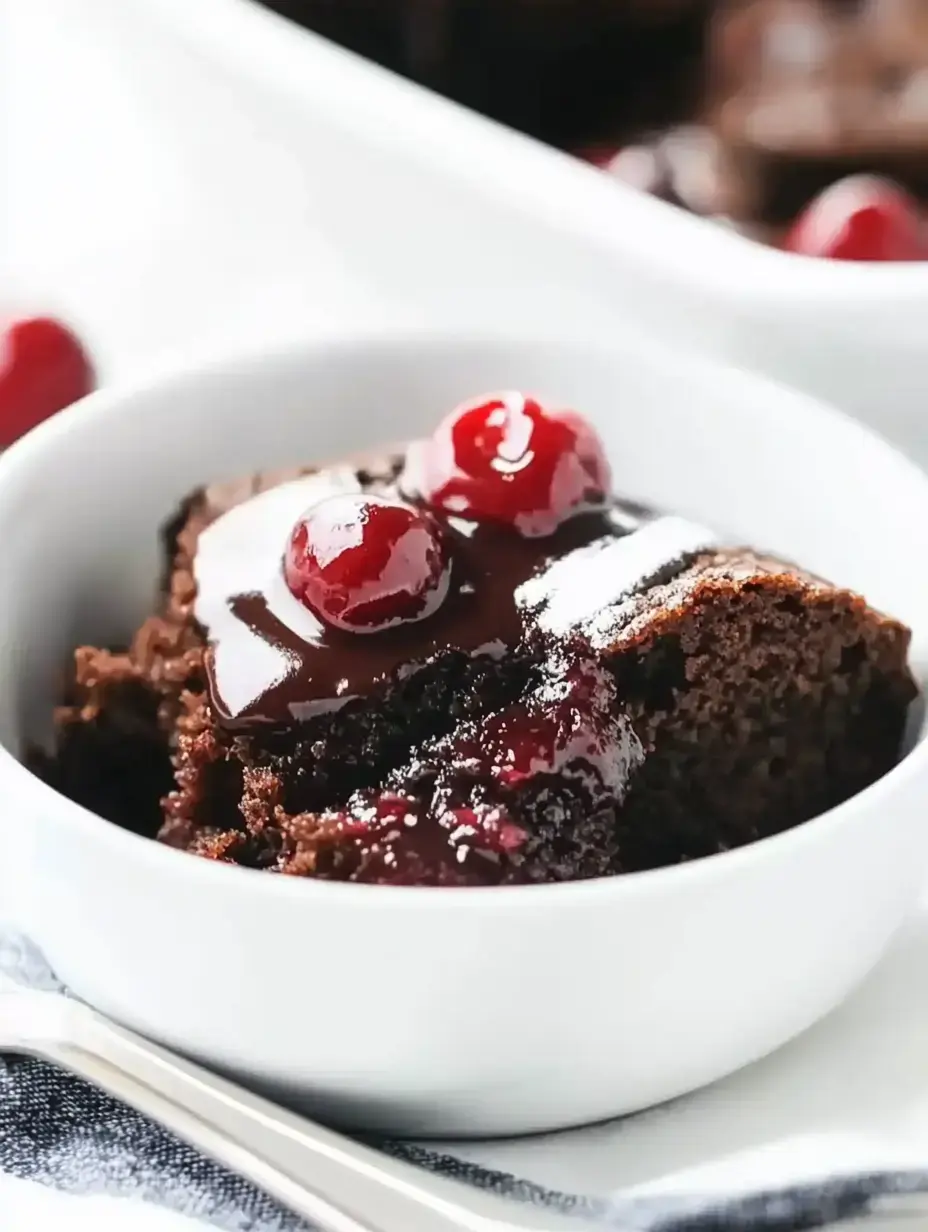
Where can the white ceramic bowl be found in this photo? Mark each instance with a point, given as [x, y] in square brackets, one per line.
[441, 1011]
[424, 196]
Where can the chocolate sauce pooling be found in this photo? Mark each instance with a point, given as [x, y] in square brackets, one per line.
[272, 661]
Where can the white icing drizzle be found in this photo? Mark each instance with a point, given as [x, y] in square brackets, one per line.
[241, 553]
[610, 570]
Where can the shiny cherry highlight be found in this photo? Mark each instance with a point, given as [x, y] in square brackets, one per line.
[364, 563]
[861, 218]
[507, 459]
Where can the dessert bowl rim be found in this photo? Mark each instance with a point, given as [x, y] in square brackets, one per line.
[26, 454]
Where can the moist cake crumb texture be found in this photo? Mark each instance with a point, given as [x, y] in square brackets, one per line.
[510, 676]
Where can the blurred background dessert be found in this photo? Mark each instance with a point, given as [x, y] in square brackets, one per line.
[570, 72]
[742, 110]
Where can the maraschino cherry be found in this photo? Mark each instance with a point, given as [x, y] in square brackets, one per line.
[597, 155]
[43, 369]
[364, 563]
[861, 218]
[506, 458]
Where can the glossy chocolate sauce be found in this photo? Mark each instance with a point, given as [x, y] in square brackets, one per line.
[273, 661]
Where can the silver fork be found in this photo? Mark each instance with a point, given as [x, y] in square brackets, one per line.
[339, 1185]
[336, 1184]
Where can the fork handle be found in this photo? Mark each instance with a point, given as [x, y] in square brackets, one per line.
[339, 1185]
[336, 1184]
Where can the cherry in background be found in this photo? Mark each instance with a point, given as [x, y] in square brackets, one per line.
[43, 368]
[858, 218]
[861, 218]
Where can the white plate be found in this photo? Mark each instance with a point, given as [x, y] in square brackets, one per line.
[147, 207]
[476, 221]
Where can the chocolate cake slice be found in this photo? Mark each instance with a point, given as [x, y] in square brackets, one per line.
[473, 665]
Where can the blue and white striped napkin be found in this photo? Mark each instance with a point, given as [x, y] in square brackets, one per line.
[832, 1129]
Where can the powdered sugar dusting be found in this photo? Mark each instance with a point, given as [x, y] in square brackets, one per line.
[611, 570]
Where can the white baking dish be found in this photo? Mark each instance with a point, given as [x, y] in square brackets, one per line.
[471, 222]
